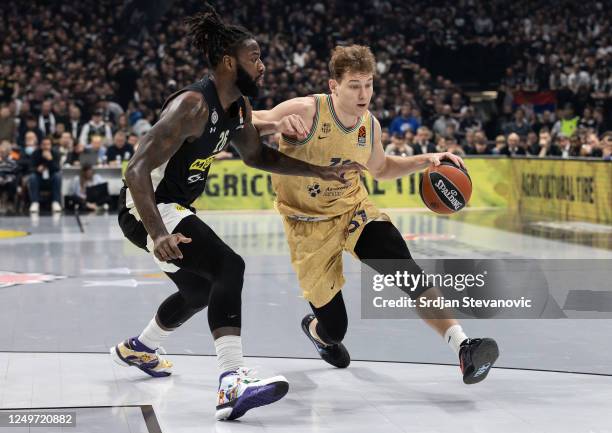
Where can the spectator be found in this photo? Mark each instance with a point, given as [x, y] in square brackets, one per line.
[519, 126]
[454, 147]
[544, 120]
[30, 143]
[592, 147]
[443, 120]
[568, 124]
[546, 146]
[119, 151]
[45, 174]
[74, 122]
[457, 106]
[9, 172]
[133, 141]
[587, 120]
[143, 123]
[8, 128]
[60, 128]
[46, 119]
[481, 147]
[78, 190]
[385, 138]
[97, 148]
[422, 143]
[531, 146]
[567, 147]
[404, 121]
[381, 113]
[122, 125]
[409, 137]
[514, 146]
[441, 144]
[65, 147]
[398, 147]
[96, 127]
[500, 145]
[28, 124]
[468, 121]
[74, 157]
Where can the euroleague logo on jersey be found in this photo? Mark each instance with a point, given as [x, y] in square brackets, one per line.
[361, 136]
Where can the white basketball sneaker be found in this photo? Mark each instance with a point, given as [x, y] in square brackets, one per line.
[240, 391]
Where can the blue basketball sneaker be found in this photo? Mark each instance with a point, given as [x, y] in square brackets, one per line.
[240, 391]
[132, 353]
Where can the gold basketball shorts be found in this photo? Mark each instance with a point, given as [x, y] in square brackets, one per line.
[316, 249]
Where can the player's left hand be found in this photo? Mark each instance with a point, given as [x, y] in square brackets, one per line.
[292, 126]
[436, 158]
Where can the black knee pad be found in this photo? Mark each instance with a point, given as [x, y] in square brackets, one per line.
[381, 240]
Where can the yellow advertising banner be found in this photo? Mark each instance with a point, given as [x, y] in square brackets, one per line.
[232, 185]
[566, 189]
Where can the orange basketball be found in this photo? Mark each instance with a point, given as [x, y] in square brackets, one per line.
[446, 189]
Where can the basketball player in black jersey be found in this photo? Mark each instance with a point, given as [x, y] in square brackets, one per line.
[165, 176]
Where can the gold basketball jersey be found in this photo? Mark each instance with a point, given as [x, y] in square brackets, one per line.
[329, 143]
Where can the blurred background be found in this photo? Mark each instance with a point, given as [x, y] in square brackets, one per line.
[528, 80]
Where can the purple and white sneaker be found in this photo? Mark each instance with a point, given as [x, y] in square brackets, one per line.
[239, 391]
[132, 353]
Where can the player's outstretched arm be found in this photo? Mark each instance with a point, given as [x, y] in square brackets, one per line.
[288, 118]
[383, 166]
[255, 154]
[184, 119]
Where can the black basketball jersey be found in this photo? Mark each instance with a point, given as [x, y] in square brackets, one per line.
[182, 179]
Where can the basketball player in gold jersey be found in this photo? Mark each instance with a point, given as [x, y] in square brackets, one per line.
[323, 218]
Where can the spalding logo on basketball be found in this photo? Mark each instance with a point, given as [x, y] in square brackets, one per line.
[445, 189]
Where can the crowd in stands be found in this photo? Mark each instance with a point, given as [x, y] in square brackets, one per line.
[81, 82]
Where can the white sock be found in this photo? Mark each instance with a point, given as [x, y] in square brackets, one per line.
[153, 335]
[454, 336]
[229, 352]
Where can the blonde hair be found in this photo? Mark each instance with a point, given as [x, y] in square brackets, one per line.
[354, 58]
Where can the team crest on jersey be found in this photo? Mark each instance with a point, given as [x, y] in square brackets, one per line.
[326, 128]
[214, 117]
[361, 136]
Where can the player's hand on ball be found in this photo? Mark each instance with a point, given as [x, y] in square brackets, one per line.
[436, 158]
[293, 126]
[166, 247]
[337, 173]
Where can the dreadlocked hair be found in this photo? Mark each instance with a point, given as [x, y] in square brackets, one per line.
[212, 37]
